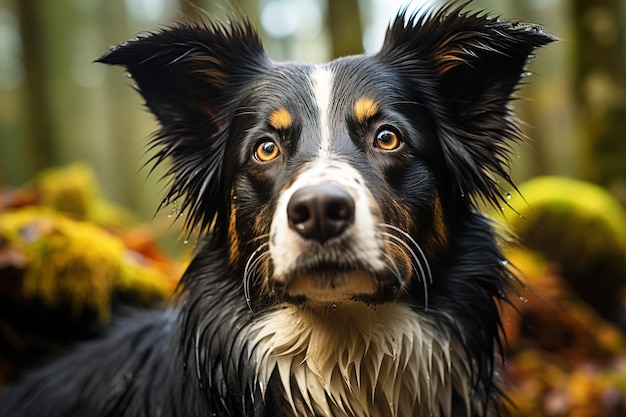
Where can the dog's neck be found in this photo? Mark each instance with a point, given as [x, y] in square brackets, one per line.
[351, 359]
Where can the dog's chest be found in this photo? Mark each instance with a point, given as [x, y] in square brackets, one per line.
[354, 360]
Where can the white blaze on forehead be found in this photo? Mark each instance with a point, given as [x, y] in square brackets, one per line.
[321, 82]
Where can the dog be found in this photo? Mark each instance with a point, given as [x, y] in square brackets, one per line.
[345, 268]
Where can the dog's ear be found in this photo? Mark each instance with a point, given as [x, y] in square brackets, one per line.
[466, 67]
[191, 76]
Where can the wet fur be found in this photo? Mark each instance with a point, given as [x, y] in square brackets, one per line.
[245, 340]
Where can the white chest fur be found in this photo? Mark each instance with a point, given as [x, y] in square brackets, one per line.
[354, 360]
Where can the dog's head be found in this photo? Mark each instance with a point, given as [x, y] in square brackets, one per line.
[339, 181]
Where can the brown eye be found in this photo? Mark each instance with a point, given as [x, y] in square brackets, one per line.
[267, 151]
[387, 140]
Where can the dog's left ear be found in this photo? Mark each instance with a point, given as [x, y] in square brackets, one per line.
[191, 77]
[466, 67]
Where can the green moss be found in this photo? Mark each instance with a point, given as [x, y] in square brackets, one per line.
[579, 226]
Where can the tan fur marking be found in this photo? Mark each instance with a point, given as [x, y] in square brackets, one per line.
[440, 227]
[451, 53]
[213, 70]
[364, 109]
[233, 254]
[281, 119]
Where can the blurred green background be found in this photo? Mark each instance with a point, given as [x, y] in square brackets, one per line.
[57, 106]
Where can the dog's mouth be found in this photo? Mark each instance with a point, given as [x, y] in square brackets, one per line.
[336, 282]
[336, 287]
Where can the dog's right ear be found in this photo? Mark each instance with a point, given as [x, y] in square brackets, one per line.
[191, 77]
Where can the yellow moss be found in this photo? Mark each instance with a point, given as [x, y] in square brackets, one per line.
[71, 189]
[581, 228]
[144, 283]
[67, 261]
[585, 200]
[528, 265]
[78, 263]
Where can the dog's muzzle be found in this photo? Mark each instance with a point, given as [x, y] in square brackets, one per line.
[324, 242]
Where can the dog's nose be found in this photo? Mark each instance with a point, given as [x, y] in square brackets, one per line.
[320, 212]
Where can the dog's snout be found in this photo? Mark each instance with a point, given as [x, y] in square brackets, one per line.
[320, 212]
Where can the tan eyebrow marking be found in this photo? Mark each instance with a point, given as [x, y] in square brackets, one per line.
[364, 109]
[280, 119]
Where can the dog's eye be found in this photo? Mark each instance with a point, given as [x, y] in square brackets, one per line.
[387, 140]
[266, 151]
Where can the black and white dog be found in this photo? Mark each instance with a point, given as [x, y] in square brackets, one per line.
[345, 269]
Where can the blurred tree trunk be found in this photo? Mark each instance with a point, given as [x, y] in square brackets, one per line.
[189, 7]
[198, 8]
[547, 105]
[120, 135]
[344, 23]
[600, 89]
[37, 126]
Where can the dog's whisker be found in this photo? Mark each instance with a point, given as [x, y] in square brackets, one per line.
[258, 256]
[393, 240]
[421, 262]
[264, 236]
[391, 264]
[250, 273]
[415, 244]
[415, 260]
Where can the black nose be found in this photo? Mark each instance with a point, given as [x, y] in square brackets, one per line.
[320, 212]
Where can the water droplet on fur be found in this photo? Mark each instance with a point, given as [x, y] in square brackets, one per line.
[175, 211]
[523, 299]
[508, 196]
[333, 306]
[185, 242]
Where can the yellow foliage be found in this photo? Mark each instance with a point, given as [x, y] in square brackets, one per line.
[144, 283]
[67, 261]
[589, 199]
[77, 263]
[581, 201]
[581, 229]
[73, 190]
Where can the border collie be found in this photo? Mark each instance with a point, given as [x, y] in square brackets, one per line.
[345, 269]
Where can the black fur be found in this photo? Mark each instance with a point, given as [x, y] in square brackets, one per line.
[444, 80]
